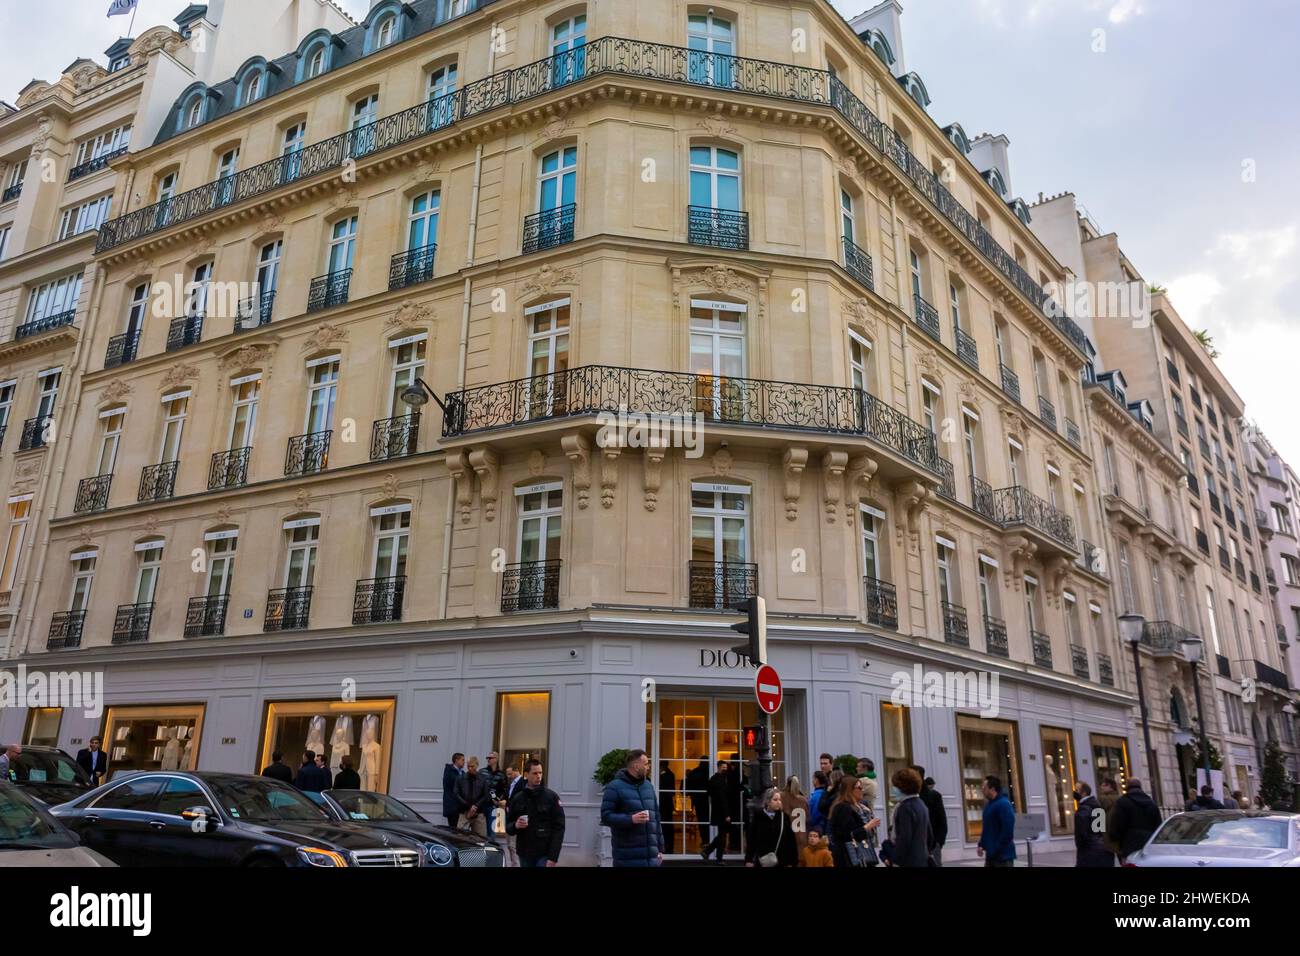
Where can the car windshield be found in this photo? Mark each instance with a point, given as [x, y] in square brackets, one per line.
[24, 826]
[46, 766]
[259, 800]
[364, 805]
[1199, 829]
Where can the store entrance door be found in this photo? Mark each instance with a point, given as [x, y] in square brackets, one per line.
[686, 738]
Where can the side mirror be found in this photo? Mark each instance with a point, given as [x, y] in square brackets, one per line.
[201, 819]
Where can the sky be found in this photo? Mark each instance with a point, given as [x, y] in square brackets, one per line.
[1177, 127]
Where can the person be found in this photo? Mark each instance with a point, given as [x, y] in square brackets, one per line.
[816, 818]
[997, 840]
[845, 820]
[933, 801]
[311, 777]
[1133, 820]
[697, 786]
[816, 852]
[514, 782]
[495, 778]
[472, 800]
[1259, 802]
[277, 769]
[631, 812]
[328, 775]
[826, 763]
[1204, 800]
[770, 834]
[94, 761]
[667, 796]
[10, 753]
[1107, 796]
[535, 819]
[346, 778]
[913, 838]
[1090, 848]
[866, 768]
[720, 811]
[450, 774]
[796, 805]
[1240, 799]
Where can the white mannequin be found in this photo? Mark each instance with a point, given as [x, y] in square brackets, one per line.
[171, 758]
[187, 761]
[316, 735]
[340, 741]
[371, 753]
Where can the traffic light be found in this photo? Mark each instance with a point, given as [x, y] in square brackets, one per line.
[755, 738]
[755, 628]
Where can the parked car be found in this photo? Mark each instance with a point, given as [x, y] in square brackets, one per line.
[443, 846]
[1224, 838]
[30, 836]
[49, 775]
[182, 818]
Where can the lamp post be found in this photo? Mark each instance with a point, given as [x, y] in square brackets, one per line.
[416, 395]
[1131, 627]
[1194, 649]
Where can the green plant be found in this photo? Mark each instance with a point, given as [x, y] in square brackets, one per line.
[1207, 342]
[847, 763]
[1272, 782]
[1157, 290]
[609, 766]
[1216, 760]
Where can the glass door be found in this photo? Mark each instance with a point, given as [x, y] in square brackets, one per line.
[718, 360]
[548, 358]
[711, 41]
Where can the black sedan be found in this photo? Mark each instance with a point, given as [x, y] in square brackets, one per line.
[176, 818]
[442, 845]
[49, 775]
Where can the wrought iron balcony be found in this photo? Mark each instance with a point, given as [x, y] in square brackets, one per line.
[1193, 485]
[308, 454]
[378, 600]
[206, 616]
[94, 165]
[1166, 637]
[967, 350]
[549, 228]
[927, 317]
[1225, 560]
[395, 437]
[721, 585]
[1079, 661]
[1010, 383]
[411, 267]
[995, 637]
[1105, 670]
[1271, 676]
[287, 609]
[530, 586]
[1254, 582]
[1018, 505]
[1203, 542]
[955, 628]
[947, 480]
[158, 482]
[229, 469]
[329, 290]
[45, 324]
[1224, 665]
[255, 312]
[122, 349]
[1072, 434]
[717, 228]
[1047, 412]
[184, 331]
[882, 603]
[92, 494]
[11, 193]
[1180, 422]
[858, 264]
[131, 624]
[983, 499]
[36, 432]
[65, 630]
[1042, 645]
[1215, 505]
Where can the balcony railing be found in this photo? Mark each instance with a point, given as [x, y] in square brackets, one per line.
[45, 324]
[185, 331]
[721, 585]
[1105, 670]
[717, 228]
[1180, 422]
[1042, 645]
[550, 228]
[956, 630]
[11, 193]
[1225, 560]
[995, 637]
[1010, 383]
[1165, 637]
[967, 350]
[229, 469]
[65, 630]
[395, 437]
[94, 165]
[308, 454]
[927, 317]
[531, 586]
[158, 482]
[122, 349]
[1047, 412]
[287, 609]
[92, 494]
[1018, 505]
[882, 603]
[378, 600]
[1271, 676]
[131, 624]
[947, 480]
[411, 267]
[1072, 434]
[206, 616]
[858, 264]
[35, 433]
[329, 290]
[1203, 542]
[1079, 661]
[983, 500]
[1193, 485]
[255, 312]
[1224, 665]
[593, 389]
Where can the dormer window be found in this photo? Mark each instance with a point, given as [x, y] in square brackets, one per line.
[252, 89]
[316, 63]
[120, 63]
[194, 115]
[386, 32]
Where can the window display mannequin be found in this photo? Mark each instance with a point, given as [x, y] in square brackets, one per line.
[1054, 795]
[371, 753]
[187, 758]
[171, 756]
[316, 735]
[340, 741]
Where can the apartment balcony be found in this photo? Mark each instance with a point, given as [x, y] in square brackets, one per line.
[1166, 637]
[858, 264]
[45, 324]
[131, 624]
[1010, 383]
[983, 500]
[967, 350]
[1224, 666]
[395, 437]
[36, 432]
[92, 494]
[1105, 671]
[717, 228]
[411, 267]
[549, 229]
[65, 630]
[11, 193]
[1079, 662]
[1018, 508]
[378, 600]
[1123, 510]
[229, 469]
[287, 609]
[1042, 646]
[307, 454]
[947, 480]
[530, 586]
[995, 637]
[1271, 676]
[94, 165]
[206, 616]
[329, 290]
[721, 585]
[185, 331]
[255, 312]
[1072, 434]
[1047, 413]
[956, 630]
[881, 603]
[158, 482]
[927, 317]
[122, 349]
[1261, 520]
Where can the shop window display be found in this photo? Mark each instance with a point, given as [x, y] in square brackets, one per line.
[360, 730]
[1058, 773]
[43, 726]
[987, 748]
[523, 728]
[153, 738]
[896, 735]
[1110, 759]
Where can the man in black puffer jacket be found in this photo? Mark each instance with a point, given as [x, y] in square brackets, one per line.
[631, 812]
[1090, 830]
[1133, 820]
[536, 820]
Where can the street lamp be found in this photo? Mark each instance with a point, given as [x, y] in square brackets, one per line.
[1194, 649]
[1131, 629]
[416, 395]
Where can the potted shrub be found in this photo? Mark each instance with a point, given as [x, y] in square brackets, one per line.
[606, 769]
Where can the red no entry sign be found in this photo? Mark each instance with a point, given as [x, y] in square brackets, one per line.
[767, 689]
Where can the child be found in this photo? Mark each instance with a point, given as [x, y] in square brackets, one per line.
[816, 853]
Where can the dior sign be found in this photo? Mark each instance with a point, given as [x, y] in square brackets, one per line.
[723, 660]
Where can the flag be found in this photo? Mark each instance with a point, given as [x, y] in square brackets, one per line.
[120, 7]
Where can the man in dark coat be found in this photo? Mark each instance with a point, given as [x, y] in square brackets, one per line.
[1133, 820]
[933, 801]
[312, 777]
[94, 761]
[997, 835]
[697, 785]
[277, 769]
[1090, 830]
[450, 774]
[1205, 800]
[913, 839]
[724, 800]
[347, 778]
[631, 812]
[473, 800]
[535, 819]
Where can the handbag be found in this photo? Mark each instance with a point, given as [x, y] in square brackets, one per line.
[770, 859]
[862, 854]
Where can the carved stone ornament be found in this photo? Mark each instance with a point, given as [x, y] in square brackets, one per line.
[302, 499]
[116, 391]
[927, 360]
[860, 474]
[425, 171]
[554, 130]
[578, 450]
[722, 463]
[716, 126]
[325, 337]
[180, 374]
[86, 537]
[391, 486]
[652, 474]
[793, 464]
[410, 314]
[223, 514]
[248, 357]
[485, 465]
[833, 465]
[547, 279]
[463, 476]
[536, 462]
[608, 475]
[272, 222]
[1017, 553]
[343, 198]
[859, 312]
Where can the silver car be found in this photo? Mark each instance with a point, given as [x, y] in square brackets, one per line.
[30, 836]
[1204, 838]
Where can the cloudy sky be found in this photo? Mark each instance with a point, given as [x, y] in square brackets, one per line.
[1182, 135]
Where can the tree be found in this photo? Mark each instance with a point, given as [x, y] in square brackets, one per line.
[1207, 342]
[1272, 782]
[847, 763]
[1216, 760]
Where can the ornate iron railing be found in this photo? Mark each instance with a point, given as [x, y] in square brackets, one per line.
[65, 630]
[255, 312]
[995, 637]
[308, 454]
[395, 437]
[967, 350]
[158, 482]
[131, 623]
[1042, 645]
[11, 192]
[1203, 542]
[1105, 670]
[35, 432]
[1018, 505]
[92, 494]
[1079, 661]
[46, 324]
[956, 629]
[287, 609]
[1010, 382]
[206, 616]
[1166, 636]
[549, 228]
[329, 290]
[378, 600]
[94, 165]
[1047, 412]
[411, 267]
[229, 469]
[1072, 434]
[721, 585]
[1271, 676]
[531, 586]
[882, 603]
[184, 331]
[122, 349]
[947, 480]
[982, 499]
[717, 228]
[857, 262]
[927, 317]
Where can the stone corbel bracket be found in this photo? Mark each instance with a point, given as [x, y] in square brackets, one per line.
[578, 450]
[1057, 569]
[1018, 550]
[834, 464]
[485, 465]
[652, 474]
[793, 464]
[912, 496]
[463, 476]
[608, 475]
[860, 472]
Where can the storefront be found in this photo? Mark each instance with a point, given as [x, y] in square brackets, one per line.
[1110, 759]
[43, 726]
[155, 737]
[988, 748]
[1058, 778]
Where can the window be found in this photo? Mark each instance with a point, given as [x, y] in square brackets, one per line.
[1158, 591]
[197, 291]
[149, 556]
[408, 365]
[20, 509]
[166, 187]
[1213, 620]
[945, 551]
[6, 404]
[540, 524]
[315, 62]
[987, 748]
[522, 728]
[87, 216]
[300, 562]
[954, 302]
[295, 138]
[718, 358]
[4, 240]
[58, 297]
[1032, 615]
[914, 269]
[251, 91]
[711, 41]
[848, 229]
[107, 142]
[422, 223]
[322, 391]
[392, 532]
[1058, 769]
[1290, 570]
[384, 32]
[715, 178]
[247, 392]
[175, 409]
[343, 244]
[268, 266]
[48, 384]
[548, 357]
[1126, 578]
[221, 561]
[872, 521]
[365, 112]
[999, 342]
[442, 84]
[228, 163]
[719, 524]
[194, 114]
[987, 583]
[557, 179]
[567, 40]
[1014, 452]
[896, 747]
[1112, 476]
[931, 405]
[1281, 519]
[17, 173]
[110, 437]
[83, 579]
[859, 362]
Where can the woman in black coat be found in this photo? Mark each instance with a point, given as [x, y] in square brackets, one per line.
[770, 831]
[846, 822]
[912, 833]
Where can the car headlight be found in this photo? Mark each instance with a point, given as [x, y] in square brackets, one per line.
[315, 856]
[438, 854]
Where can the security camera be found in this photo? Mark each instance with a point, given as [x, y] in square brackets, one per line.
[572, 652]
